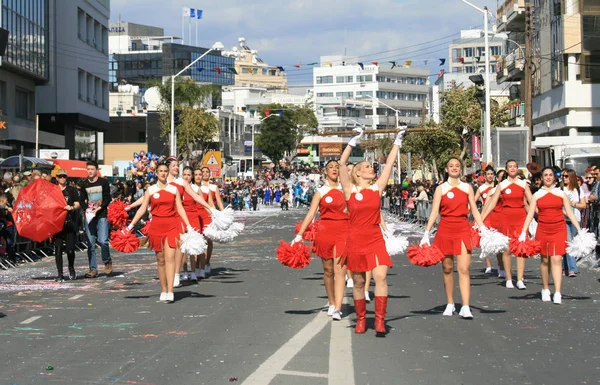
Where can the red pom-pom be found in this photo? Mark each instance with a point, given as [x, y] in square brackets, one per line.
[295, 256]
[311, 230]
[527, 249]
[117, 216]
[144, 230]
[124, 241]
[475, 237]
[425, 255]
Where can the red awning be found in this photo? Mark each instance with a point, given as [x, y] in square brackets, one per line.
[74, 168]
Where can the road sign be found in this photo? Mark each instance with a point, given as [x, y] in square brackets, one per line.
[212, 160]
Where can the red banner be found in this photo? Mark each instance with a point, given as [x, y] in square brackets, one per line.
[475, 148]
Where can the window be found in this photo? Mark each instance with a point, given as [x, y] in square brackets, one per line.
[324, 79]
[325, 95]
[22, 104]
[344, 94]
[344, 79]
[468, 52]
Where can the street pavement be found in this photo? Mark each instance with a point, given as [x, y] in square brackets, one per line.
[256, 322]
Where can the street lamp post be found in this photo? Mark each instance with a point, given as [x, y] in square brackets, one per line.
[218, 46]
[487, 131]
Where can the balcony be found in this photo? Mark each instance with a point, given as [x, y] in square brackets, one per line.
[511, 16]
[510, 67]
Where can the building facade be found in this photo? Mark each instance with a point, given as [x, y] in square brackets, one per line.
[467, 54]
[347, 91]
[252, 71]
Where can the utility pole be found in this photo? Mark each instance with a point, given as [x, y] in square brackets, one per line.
[528, 78]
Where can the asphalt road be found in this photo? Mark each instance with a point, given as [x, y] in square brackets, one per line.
[256, 322]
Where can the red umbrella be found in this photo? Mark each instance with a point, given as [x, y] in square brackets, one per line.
[39, 210]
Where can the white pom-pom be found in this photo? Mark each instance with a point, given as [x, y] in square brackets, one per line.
[533, 227]
[193, 243]
[213, 232]
[222, 219]
[395, 245]
[492, 242]
[583, 248]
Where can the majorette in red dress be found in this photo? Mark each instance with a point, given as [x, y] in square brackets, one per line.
[166, 223]
[365, 246]
[454, 228]
[332, 232]
[552, 228]
[513, 207]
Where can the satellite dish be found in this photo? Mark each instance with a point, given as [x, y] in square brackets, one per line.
[152, 98]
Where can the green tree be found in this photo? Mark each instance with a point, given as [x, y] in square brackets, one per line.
[278, 134]
[434, 146]
[461, 113]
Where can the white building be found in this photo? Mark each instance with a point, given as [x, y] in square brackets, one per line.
[348, 91]
[467, 54]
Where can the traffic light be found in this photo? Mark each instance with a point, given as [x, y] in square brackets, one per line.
[243, 165]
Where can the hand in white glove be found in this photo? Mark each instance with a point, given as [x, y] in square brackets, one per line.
[523, 236]
[425, 239]
[355, 139]
[297, 239]
[399, 137]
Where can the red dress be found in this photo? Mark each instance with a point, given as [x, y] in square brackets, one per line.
[332, 232]
[454, 228]
[513, 207]
[552, 228]
[365, 246]
[203, 214]
[166, 223]
[494, 219]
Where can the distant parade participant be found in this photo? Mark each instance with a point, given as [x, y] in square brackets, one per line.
[453, 201]
[512, 193]
[552, 204]
[365, 247]
[331, 235]
[168, 215]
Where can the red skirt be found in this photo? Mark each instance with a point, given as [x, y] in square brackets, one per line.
[512, 221]
[451, 234]
[331, 235]
[552, 237]
[365, 249]
[164, 229]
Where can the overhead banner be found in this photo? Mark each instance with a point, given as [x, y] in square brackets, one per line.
[212, 160]
[475, 147]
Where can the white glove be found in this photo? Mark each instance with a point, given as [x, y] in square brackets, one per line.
[297, 239]
[399, 137]
[523, 236]
[355, 139]
[425, 239]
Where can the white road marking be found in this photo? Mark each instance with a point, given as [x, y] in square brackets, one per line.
[76, 296]
[30, 320]
[303, 374]
[341, 366]
[275, 364]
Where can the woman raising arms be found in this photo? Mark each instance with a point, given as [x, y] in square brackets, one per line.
[331, 236]
[365, 247]
[453, 200]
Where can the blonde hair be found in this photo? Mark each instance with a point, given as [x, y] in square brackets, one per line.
[353, 174]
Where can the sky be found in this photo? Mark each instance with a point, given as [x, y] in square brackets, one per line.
[288, 33]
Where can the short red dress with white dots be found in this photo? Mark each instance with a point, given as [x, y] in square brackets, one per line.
[493, 219]
[454, 228]
[365, 246]
[513, 207]
[165, 226]
[552, 228]
[332, 231]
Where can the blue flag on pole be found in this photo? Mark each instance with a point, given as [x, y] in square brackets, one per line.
[199, 14]
[192, 13]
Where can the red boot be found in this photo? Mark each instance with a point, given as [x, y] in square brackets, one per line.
[360, 307]
[380, 309]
